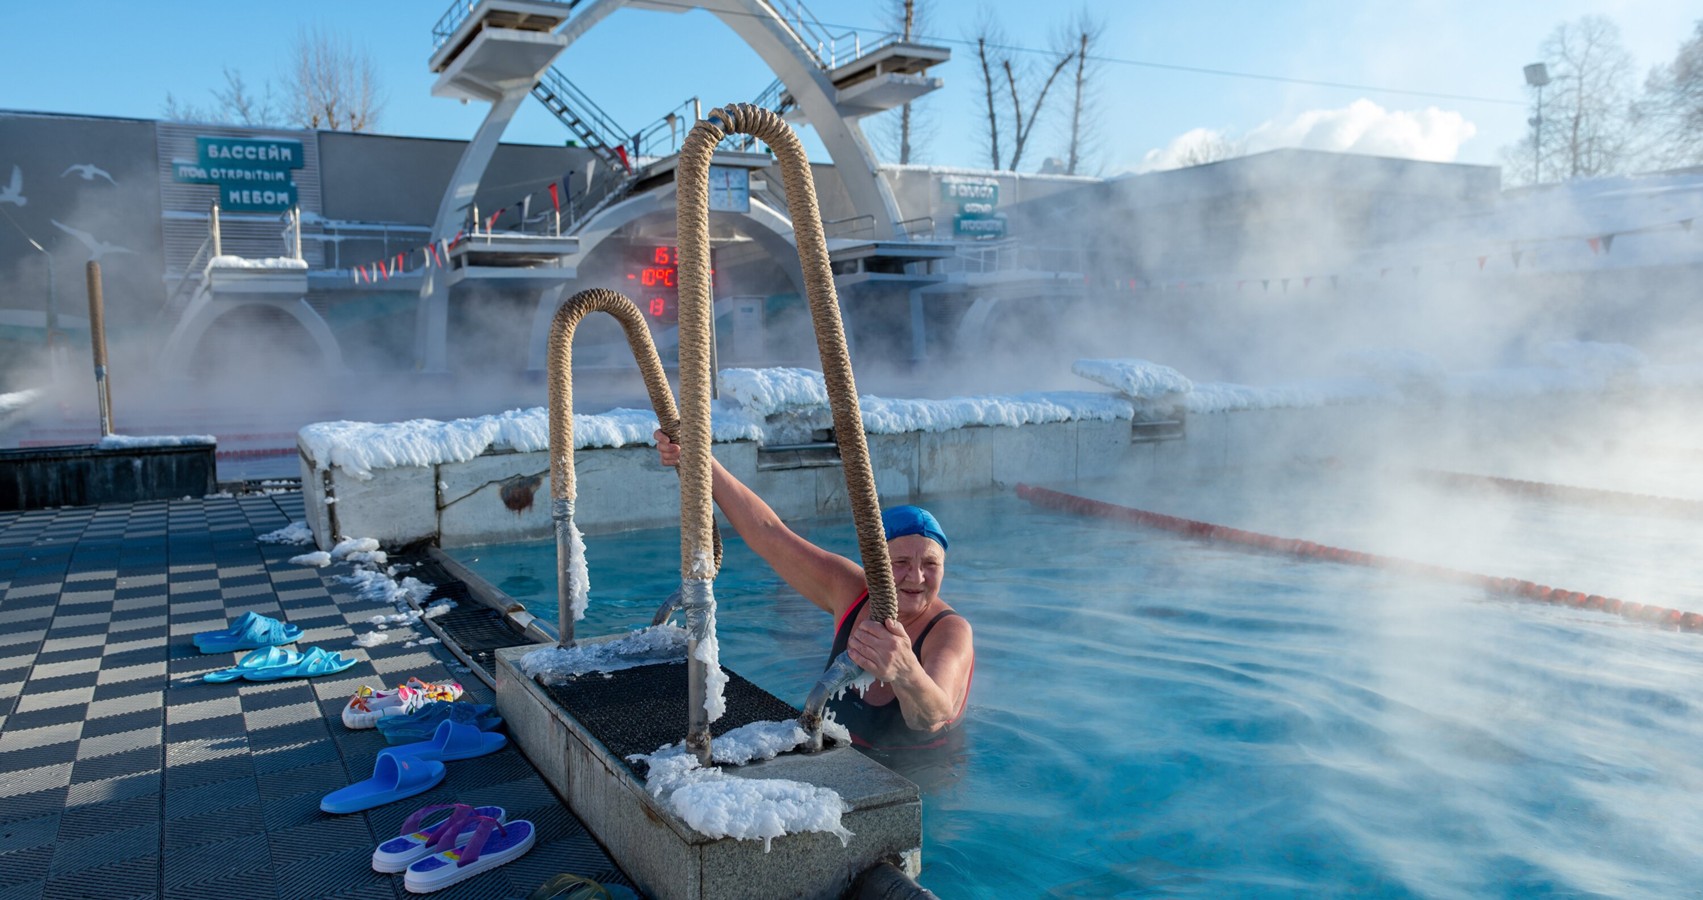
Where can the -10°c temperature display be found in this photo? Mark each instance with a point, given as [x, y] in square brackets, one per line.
[653, 281]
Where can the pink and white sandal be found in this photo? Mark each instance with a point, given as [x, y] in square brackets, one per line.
[449, 833]
[368, 706]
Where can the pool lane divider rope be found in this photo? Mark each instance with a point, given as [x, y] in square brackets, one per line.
[1661, 616]
[1620, 500]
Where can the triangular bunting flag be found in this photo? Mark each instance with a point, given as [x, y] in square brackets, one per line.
[555, 196]
[1481, 261]
[1285, 285]
[1596, 245]
[1608, 243]
[1307, 282]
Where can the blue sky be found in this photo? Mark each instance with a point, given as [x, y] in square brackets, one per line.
[1437, 79]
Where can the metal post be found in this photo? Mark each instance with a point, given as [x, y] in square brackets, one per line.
[97, 337]
[213, 224]
[296, 217]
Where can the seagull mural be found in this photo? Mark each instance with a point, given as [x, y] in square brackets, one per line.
[89, 171]
[97, 248]
[14, 193]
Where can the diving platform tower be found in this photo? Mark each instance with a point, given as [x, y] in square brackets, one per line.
[500, 51]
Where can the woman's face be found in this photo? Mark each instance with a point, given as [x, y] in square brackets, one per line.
[918, 567]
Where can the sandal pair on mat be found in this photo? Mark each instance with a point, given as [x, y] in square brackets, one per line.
[273, 663]
[368, 706]
[410, 769]
[469, 841]
[250, 631]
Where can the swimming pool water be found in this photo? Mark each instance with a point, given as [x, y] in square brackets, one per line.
[1156, 716]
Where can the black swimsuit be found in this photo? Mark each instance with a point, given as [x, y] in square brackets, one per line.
[879, 726]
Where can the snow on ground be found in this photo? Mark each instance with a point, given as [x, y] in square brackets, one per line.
[17, 400]
[761, 403]
[658, 643]
[294, 533]
[242, 262]
[126, 442]
[718, 804]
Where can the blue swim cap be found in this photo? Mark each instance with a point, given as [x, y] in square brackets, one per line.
[902, 520]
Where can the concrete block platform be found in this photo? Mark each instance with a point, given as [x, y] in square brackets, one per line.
[662, 854]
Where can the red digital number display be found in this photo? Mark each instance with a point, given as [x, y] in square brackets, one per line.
[652, 275]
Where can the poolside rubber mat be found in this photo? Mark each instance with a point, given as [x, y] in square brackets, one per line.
[637, 710]
[479, 630]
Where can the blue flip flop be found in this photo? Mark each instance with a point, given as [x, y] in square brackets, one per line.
[394, 778]
[249, 632]
[264, 658]
[452, 741]
[423, 725]
[314, 662]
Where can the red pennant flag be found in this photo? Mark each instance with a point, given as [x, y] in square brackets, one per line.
[436, 254]
[492, 221]
[622, 153]
[385, 271]
[555, 200]
[1481, 261]
[401, 262]
[1596, 245]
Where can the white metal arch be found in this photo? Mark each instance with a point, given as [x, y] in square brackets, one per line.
[204, 310]
[754, 22]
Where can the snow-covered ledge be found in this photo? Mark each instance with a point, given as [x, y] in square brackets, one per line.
[487, 479]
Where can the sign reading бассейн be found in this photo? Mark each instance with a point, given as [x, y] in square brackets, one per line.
[253, 174]
[977, 198]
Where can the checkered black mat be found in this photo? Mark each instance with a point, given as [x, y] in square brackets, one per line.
[123, 774]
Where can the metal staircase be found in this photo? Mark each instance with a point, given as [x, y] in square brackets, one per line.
[593, 127]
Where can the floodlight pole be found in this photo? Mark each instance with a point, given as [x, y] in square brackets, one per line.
[1537, 75]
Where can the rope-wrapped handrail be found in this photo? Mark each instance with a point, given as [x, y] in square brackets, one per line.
[692, 191]
[570, 549]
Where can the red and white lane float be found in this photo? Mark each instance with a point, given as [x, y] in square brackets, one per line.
[1661, 616]
[1566, 493]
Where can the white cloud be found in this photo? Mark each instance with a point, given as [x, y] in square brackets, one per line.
[1430, 134]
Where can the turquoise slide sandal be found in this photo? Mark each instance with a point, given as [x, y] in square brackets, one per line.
[249, 632]
[314, 662]
[394, 778]
[264, 658]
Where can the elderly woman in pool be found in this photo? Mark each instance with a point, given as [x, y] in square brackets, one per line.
[922, 662]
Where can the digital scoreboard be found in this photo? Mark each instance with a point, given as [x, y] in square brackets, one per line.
[652, 279]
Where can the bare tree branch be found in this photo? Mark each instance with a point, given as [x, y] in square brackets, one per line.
[1035, 110]
[331, 84]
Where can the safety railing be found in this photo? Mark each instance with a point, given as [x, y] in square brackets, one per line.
[459, 11]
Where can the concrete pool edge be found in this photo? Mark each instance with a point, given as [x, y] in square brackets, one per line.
[666, 857]
[661, 853]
